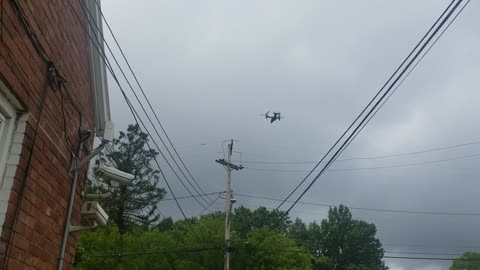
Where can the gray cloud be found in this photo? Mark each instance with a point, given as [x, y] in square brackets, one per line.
[211, 67]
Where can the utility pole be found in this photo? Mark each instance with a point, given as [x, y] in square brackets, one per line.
[228, 208]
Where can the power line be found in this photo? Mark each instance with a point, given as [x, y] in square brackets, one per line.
[135, 115]
[85, 11]
[366, 117]
[188, 197]
[370, 157]
[190, 250]
[195, 250]
[392, 257]
[388, 252]
[364, 208]
[436, 28]
[53, 79]
[372, 168]
[148, 101]
[92, 25]
[409, 72]
[110, 150]
[424, 253]
[368, 105]
[429, 246]
[431, 258]
[211, 204]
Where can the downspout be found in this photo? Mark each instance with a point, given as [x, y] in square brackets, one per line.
[84, 135]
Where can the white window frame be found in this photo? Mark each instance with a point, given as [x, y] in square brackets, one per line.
[12, 133]
[8, 115]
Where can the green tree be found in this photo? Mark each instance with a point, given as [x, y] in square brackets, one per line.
[357, 267]
[155, 249]
[136, 203]
[314, 243]
[323, 263]
[106, 248]
[350, 242]
[470, 261]
[245, 220]
[298, 232]
[275, 252]
[166, 224]
[204, 232]
[339, 243]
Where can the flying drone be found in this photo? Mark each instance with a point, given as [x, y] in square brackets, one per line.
[276, 116]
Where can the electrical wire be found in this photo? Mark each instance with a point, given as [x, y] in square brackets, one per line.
[65, 136]
[20, 193]
[371, 157]
[163, 175]
[431, 258]
[61, 81]
[188, 197]
[391, 257]
[340, 149]
[368, 105]
[424, 253]
[374, 168]
[440, 21]
[2, 12]
[110, 68]
[135, 116]
[199, 191]
[53, 80]
[208, 206]
[408, 74]
[364, 208]
[351, 137]
[89, 15]
[144, 95]
[191, 250]
[396, 245]
[110, 150]
[30, 33]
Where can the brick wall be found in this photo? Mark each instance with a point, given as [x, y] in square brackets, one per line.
[36, 238]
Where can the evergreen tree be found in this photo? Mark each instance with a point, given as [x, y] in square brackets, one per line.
[136, 203]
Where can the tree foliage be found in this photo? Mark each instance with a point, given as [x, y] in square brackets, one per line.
[338, 243]
[162, 249]
[470, 261]
[136, 203]
[245, 220]
[350, 242]
[276, 252]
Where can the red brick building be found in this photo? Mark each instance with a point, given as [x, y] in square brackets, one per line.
[52, 86]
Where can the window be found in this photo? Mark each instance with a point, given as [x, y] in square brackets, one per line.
[8, 116]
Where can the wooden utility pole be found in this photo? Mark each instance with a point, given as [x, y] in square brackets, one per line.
[228, 208]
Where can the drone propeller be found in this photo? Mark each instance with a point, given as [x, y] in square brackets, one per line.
[265, 114]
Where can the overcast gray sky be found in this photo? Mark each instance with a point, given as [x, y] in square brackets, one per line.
[211, 67]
